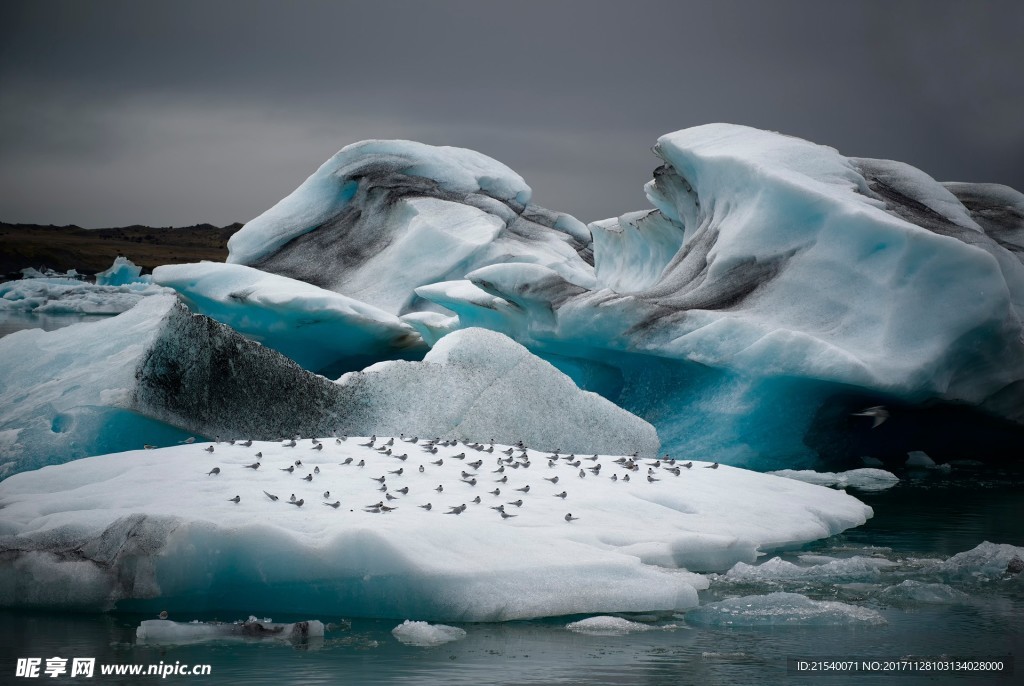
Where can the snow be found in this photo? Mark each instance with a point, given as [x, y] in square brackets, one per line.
[45, 295]
[775, 275]
[781, 610]
[493, 389]
[319, 329]
[425, 634]
[165, 632]
[152, 530]
[865, 479]
[377, 207]
[121, 273]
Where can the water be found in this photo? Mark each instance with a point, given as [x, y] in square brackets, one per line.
[17, 321]
[928, 517]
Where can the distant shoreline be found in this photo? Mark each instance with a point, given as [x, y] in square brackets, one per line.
[92, 250]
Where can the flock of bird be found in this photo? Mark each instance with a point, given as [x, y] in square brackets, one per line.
[504, 480]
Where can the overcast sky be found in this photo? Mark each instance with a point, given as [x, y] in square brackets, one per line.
[175, 113]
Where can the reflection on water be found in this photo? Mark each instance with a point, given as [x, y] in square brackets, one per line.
[933, 516]
[17, 321]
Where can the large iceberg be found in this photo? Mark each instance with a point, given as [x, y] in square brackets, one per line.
[323, 331]
[444, 532]
[158, 374]
[776, 288]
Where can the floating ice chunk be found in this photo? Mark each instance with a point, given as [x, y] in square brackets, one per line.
[424, 634]
[121, 273]
[45, 295]
[606, 626]
[985, 562]
[861, 479]
[840, 570]
[493, 388]
[321, 330]
[165, 632]
[145, 531]
[781, 609]
[918, 458]
[911, 591]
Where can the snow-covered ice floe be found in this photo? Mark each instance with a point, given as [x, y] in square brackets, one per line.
[604, 625]
[162, 529]
[426, 634]
[166, 632]
[865, 479]
[780, 610]
[157, 374]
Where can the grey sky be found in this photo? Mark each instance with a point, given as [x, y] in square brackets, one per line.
[115, 113]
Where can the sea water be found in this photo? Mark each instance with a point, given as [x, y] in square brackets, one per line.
[929, 516]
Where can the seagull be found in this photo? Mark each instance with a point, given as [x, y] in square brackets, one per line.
[403, 457]
[496, 491]
[318, 446]
[147, 446]
[398, 471]
[471, 482]
[460, 456]
[327, 494]
[878, 413]
[308, 477]
[711, 466]
[379, 479]
[237, 499]
[615, 477]
[404, 490]
[592, 459]
[517, 503]
[298, 463]
[499, 508]
[561, 495]
[506, 515]
[259, 454]
[422, 469]
[215, 471]
[298, 503]
[439, 489]
[467, 475]
[583, 474]
[389, 497]
[651, 479]
[316, 470]
[208, 448]
[456, 510]
[428, 506]
[292, 499]
[362, 463]
[476, 500]
[502, 480]
[254, 465]
[373, 439]
[477, 464]
[288, 469]
[626, 477]
[438, 463]
[570, 518]
[336, 504]
[688, 465]
[348, 460]
[289, 444]
[247, 444]
[524, 489]
[271, 496]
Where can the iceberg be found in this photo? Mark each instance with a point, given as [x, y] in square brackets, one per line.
[121, 273]
[607, 626]
[776, 288]
[492, 389]
[322, 331]
[357, 224]
[153, 375]
[152, 530]
[158, 374]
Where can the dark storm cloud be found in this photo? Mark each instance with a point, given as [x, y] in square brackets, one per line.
[174, 113]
